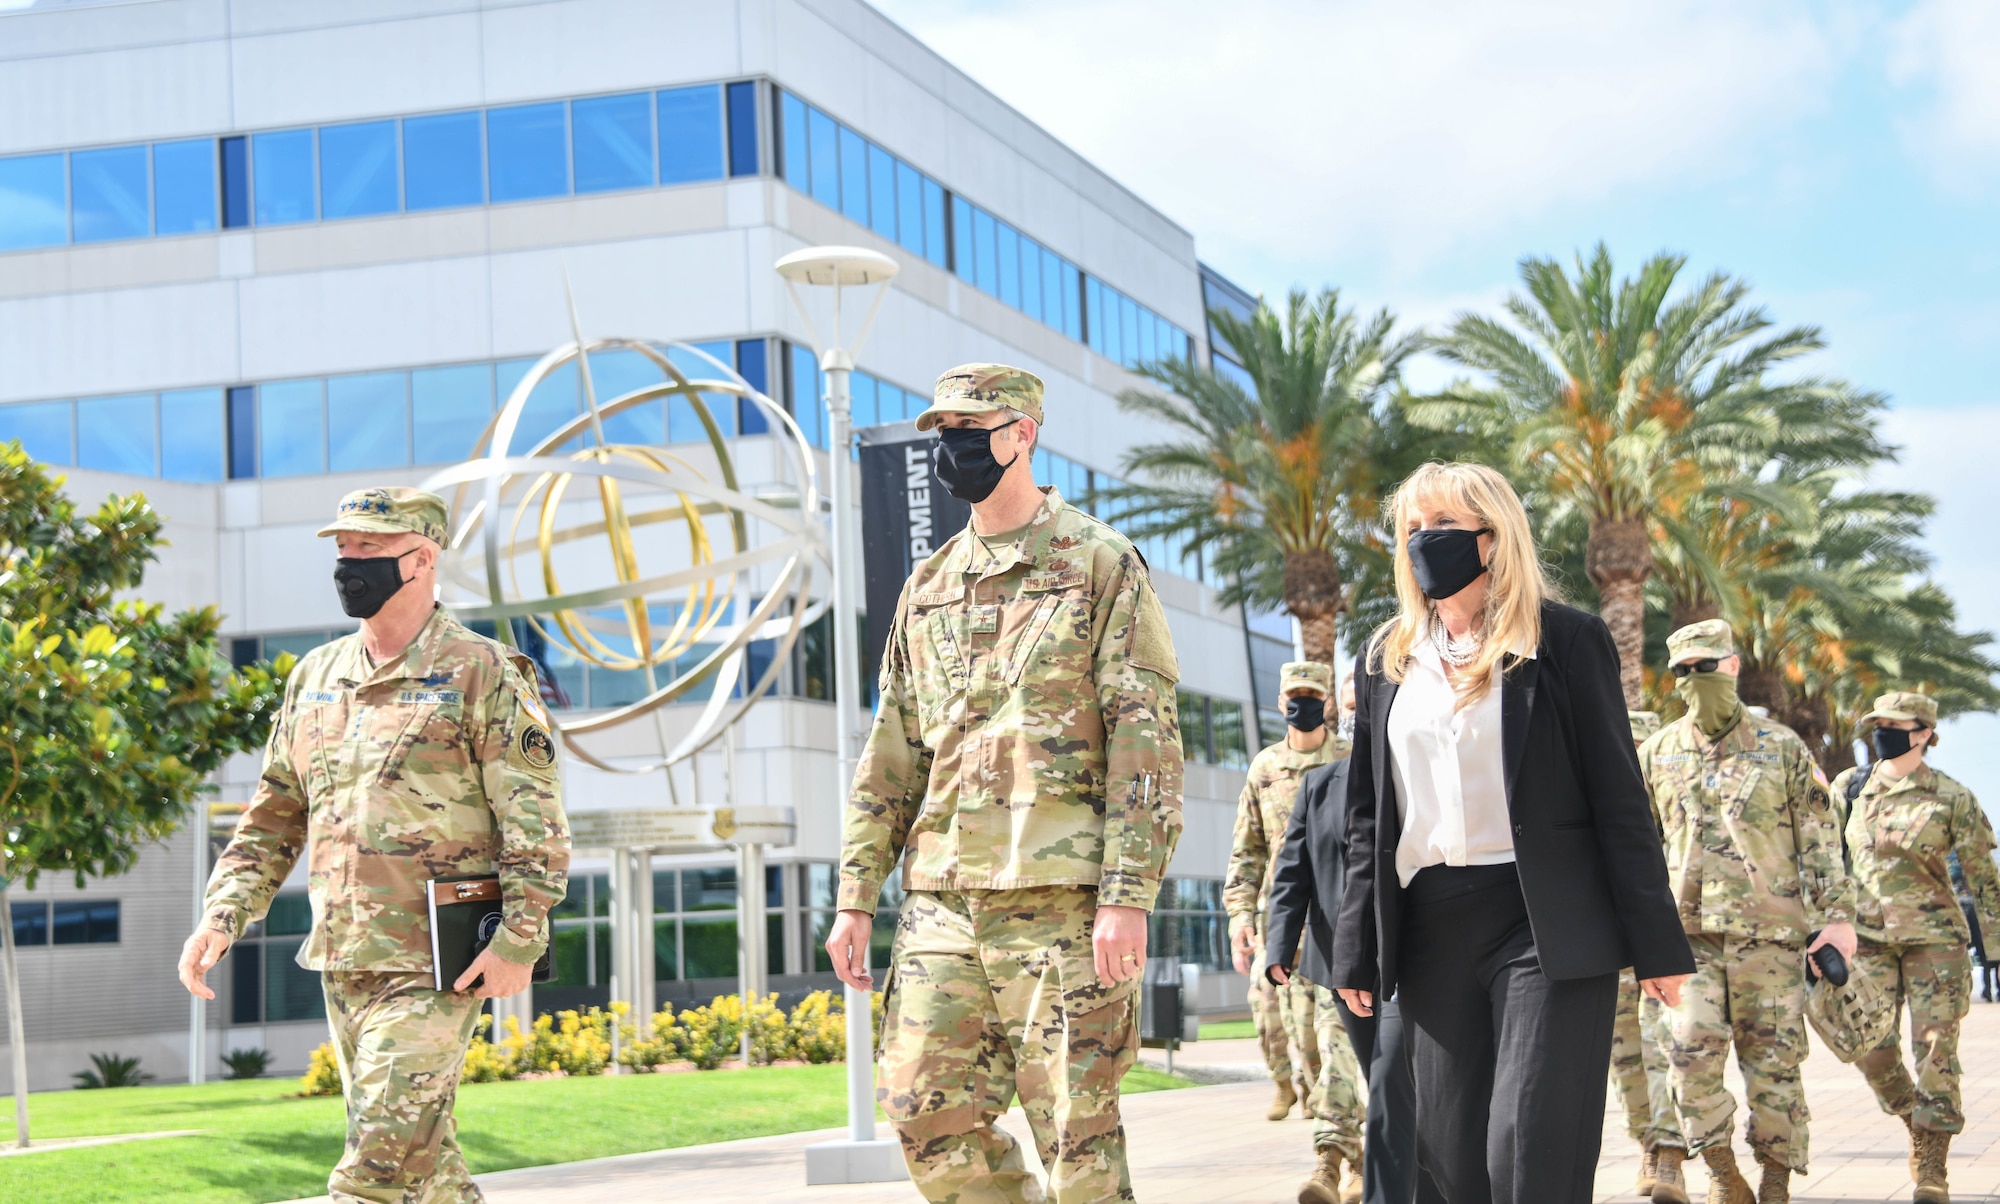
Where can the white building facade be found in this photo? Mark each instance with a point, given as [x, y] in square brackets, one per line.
[257, 253]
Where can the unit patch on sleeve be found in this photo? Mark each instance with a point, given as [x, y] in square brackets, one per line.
[533, 746]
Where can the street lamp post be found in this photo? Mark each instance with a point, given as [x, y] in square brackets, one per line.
[862, 1157]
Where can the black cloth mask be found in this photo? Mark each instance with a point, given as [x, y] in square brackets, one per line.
[1305, 712]
[1891, 742]
[1445, 560]
[964, 461]
[366, 583]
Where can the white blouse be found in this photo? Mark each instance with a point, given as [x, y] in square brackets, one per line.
[1451, 783]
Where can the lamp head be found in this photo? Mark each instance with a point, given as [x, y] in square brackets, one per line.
[846, 266]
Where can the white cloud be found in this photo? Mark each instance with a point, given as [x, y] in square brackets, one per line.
[1947, 49]
[1294, 133]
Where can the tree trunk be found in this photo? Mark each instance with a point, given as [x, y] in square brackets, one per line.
[1683, 611]
[1761, 687]
[17, 1038]
[1619, 558]
[1312, 595]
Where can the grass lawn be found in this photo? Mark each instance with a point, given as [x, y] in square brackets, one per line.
[1225, 1030]
[262, 1146]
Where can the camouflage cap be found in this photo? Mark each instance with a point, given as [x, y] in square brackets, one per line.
[1906, 704]
[1699, 641]
[1644, 725]
[388, 511]
[980, 388]
[1305, 675]
[1852, 1019]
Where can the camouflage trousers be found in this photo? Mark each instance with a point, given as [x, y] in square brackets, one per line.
[401, 1047]
[1935, 983]
[1751, 994]
[1269, 1020]
[1339, 1108]
[1639, 1037]
[1299, 1009]
[995, 993]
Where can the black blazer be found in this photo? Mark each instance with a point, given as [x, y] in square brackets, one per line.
[1311, 873]
[1592, 869]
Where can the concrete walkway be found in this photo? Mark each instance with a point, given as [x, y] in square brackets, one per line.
[1212, 1145]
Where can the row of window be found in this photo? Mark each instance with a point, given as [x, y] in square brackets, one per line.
[366, 168]
[1213, 731]
[845, 171]
[73, 922]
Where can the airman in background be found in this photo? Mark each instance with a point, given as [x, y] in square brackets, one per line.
[1753, 855]
[1639, 1040]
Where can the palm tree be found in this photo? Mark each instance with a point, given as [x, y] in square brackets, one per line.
[1278, 484]
[1614, 400]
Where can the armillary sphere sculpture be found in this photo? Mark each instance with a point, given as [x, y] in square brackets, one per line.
[573, 542]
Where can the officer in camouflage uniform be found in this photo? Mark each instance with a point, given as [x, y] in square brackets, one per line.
[411, 750]
[1754, 858]
[1269, 791]
[1639, 1038]
[1905, 822]
[1025, 766]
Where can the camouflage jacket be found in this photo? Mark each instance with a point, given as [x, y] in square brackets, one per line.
[1900, 832]
[1751, 845]
[1262, 813]
[437, 764]
[1026, 734]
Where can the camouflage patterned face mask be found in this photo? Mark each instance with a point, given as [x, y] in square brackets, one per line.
[1711, 699]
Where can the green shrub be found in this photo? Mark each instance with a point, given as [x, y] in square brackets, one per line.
[111, 1071]
[247, 1063]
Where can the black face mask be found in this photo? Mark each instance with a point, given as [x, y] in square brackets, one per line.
[1445, 560]
[1305, 712]
[965, 462]
[1891, 742]
[366, 583]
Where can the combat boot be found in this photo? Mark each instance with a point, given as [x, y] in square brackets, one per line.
[1281, 1107]
[1649, 1171]
[1669, 1187]
[1324, 1186]
[1777, 1185]
[1351, 1194]
[1726, 1184]
[1932, 1150]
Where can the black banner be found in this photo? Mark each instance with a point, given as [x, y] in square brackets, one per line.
[905, 516]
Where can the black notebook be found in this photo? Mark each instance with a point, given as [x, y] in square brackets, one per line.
[465, 913]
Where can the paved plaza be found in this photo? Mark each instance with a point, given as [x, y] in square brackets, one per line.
[1212, 1145]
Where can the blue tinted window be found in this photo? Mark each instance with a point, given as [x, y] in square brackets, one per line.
[235, 182]
[449, 409]
[1052, 306]
[1128, 331]
[743, 129]
[934, 230]
[118, 434]
[909, 208]
[691, 134]
[683, 425]
[824, 158]
[808, 408]
[985, 261]
[882, 192]
[34, 212]
[291, 428]
[853, 175]
[241, 412]
[553, 403]
[1009, 264]
[1072, 294]
[1031, 278]
[86, 923]
[527, 152]
[792, 143]
[184, 186]
[441, 162]
[191, 442]
[281, 177]
[42, 429]
[367, 421]
[614, 142]
[862, 406]
[961, 238]
[751, 365]
[1093, 305]
[357, 166]
[616, 373]
[31, 921]
[108, 194]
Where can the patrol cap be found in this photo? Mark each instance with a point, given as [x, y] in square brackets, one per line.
[1305, 675]
[1699, 641]
[1644, 725]
[390, 511]
[1852, 1019]
[980, 388]
[1906, 704]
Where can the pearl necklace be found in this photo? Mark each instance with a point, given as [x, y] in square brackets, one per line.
[1458, 651]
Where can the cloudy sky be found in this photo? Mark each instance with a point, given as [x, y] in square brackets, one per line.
[1842, 157]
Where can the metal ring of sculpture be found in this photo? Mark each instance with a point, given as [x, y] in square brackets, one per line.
[485, 553]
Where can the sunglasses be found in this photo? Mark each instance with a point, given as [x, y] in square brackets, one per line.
[1706, 664]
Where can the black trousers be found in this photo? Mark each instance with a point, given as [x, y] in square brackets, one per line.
[1509, 1063]
[1390, 1144]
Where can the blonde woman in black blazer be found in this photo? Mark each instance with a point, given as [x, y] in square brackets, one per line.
[1502, 862]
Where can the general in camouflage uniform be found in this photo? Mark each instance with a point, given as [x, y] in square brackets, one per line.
[1905, 822]
[1753, 856]
[1025, 765]
[434, 764]
[1639, 1037]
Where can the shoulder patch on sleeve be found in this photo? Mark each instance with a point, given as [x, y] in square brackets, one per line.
[532, 748]
[1152, 641]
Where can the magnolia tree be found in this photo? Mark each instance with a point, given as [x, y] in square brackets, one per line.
[115, 713]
